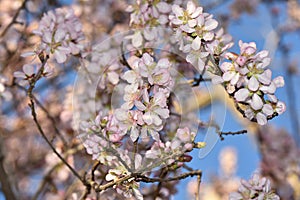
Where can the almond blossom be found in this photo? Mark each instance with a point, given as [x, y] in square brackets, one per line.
[249, 82]
[61, 33]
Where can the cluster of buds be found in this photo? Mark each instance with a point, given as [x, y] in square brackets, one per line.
[61, 33]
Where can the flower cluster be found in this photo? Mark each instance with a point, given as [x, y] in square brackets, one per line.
[61, 33]
[145, 97]
[196, 34]
[170, 151]
[149, 12]
[250, 83]
[256, 188]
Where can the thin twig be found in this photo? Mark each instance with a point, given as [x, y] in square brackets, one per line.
[34, 115]
[123, 60]
[96, 165]
[176, 178]
[231, 133]
[49, 116]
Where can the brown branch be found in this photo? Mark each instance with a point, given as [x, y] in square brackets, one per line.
[231, 133]
[96, 165]
[41, 131]
[176, 178]
[49, 116]
[13, 21]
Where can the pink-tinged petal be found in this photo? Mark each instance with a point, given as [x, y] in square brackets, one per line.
[137, 39]
[147, 59]
[154, 135]
[196, 44]
[127, 105]
[265, 63]
[156, 119]
[249, 114]
[130, 76]
[163, 112]
[192, 23]
[268, 109]
[208, 36]
[177, 10]
[241, 60]
[227, 76]
[243, 70]
[149, 34]
[163, 63]
[19, 74]
[163, 19]
[235, 79]
[268, 89]
[197, 12]
[140, 105]
[109, 177]
[176, 21]
[145, 95]
[256, 102]
[200, 20]
[278, 81]
[134, 133]
[253, 84]
[147, 118]
[262, 54]
[154, 12]
[59, 35]
[226, 66]
[60, 57]
[231, 56]
[241, 94]
[191, 7]
[249, 51]
[217, 79]
[272, 98]
[191, 58]
[211, 24]
[261, 119]
[187, 28]
[75, 49]
[230, 88]
[28, 69]
[163, 7]
[280, 107]
[47, 37]
[113, 77]
[265, 77]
